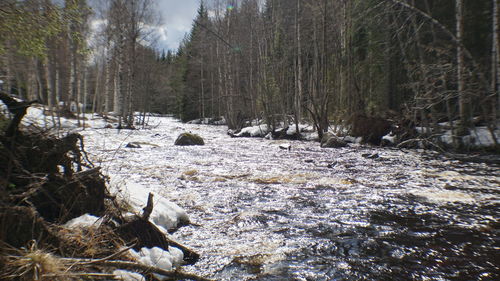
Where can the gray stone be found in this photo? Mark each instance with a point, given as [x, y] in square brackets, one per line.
[331, 141]
[189, 139]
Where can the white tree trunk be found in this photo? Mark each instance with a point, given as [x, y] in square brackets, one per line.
[118, 97]
[107, 83]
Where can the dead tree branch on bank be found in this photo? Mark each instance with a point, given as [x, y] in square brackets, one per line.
[149, 207]
[176, 275]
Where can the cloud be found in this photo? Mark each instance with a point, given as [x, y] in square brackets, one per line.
[177, 21]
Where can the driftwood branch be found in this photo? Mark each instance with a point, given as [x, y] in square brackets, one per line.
[173, 274]
[79, 274]
[149, 208]
[108, 257]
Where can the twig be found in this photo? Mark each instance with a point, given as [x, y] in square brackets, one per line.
[176, 275]
[110, 256]
[426, 140]
[100, 260]
[80, 274]
[31, 189]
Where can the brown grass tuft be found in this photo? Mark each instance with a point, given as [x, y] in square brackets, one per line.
[32, 264]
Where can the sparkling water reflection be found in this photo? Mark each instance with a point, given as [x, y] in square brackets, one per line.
[263, 213]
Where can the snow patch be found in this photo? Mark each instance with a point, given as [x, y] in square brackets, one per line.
[292, 130]
[478, 137]
[3, 109]
[158, 257]
[128, 276]
[254, 131]
[209, 121]
[389, 138]
[166, 214]
[86, 220]
[482, 136]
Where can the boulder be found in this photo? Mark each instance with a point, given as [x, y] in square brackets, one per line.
[189, 139]
[331, 141]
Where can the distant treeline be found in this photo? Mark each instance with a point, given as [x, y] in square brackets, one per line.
[423, 61]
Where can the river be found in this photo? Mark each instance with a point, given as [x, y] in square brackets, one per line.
[259, 212]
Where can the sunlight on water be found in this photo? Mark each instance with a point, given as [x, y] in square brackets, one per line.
[263, 213]
[446, 196]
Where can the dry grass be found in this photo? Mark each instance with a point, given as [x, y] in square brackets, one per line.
[32, 264]
[90, 242]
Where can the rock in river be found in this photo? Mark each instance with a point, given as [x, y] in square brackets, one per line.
[331, 141]
[189, 139]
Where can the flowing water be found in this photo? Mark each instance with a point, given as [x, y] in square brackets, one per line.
[358, 213]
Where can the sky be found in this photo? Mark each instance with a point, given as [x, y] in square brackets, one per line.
[177, 16]
[176, 20]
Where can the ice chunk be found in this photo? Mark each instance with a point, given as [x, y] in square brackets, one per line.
[158, 257]
[165, 213]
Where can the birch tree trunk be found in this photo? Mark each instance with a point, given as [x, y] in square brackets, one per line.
[107, 83]
[117, 95]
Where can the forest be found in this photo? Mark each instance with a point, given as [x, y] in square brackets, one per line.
[113, 163]
[421, 63]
